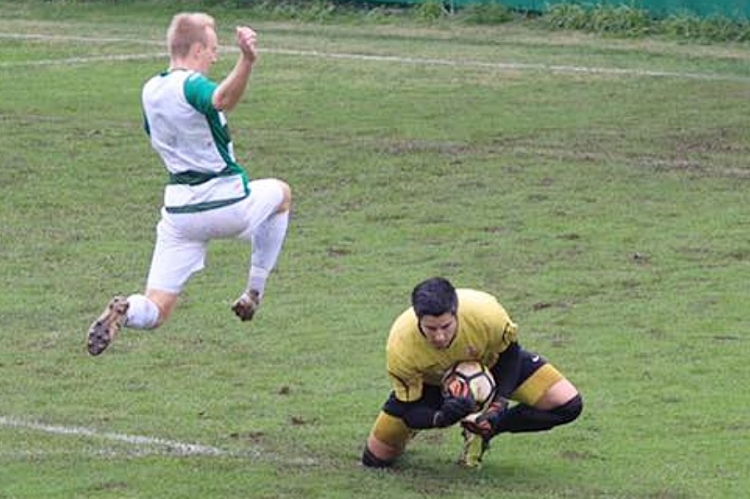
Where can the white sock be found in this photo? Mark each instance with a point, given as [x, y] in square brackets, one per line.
[267, 244]
[142, 313]
[257, 279]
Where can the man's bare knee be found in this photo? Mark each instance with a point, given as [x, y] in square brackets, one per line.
[164, 301]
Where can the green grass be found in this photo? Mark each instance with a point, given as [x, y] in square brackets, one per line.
[603, 202]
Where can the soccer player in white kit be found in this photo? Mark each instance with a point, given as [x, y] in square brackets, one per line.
[208, 195]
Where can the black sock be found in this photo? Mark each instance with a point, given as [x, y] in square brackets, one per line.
[371, 461]
[524, 418]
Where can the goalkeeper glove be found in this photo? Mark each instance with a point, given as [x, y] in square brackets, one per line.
[458, 403]
[486, 423]
[453, 410]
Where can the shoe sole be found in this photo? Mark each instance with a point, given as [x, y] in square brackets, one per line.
[99, 335]
[99, 338]
[245, 308]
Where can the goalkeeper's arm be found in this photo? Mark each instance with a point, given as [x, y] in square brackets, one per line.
[507, 370]
[456, 405]
[419, 416]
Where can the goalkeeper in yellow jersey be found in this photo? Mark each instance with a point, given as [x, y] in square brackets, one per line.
[444, 326]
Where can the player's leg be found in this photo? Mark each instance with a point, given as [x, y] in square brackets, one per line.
[173, 262]
[546, 399]
[136, 311]
[267, 218]
[387, 441]
[390, 434]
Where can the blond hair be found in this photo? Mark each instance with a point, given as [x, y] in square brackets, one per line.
[186, 29]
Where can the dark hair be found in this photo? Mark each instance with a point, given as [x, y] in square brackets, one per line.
[435, 296]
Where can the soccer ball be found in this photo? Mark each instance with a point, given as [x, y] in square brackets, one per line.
[477, 376]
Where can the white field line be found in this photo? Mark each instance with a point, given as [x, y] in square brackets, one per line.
[140, 445]
[513, 66]
[503, 66]
[70, 61]
[138, 441]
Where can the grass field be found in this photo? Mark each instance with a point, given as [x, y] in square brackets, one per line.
[597, 186]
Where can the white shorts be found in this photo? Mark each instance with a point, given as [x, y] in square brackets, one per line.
[182, 238]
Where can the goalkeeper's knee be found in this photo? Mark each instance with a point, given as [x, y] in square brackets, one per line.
[370, 460]
[568, 411]
[523, 418]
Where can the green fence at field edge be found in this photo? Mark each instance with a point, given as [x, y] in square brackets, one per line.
[738, 10]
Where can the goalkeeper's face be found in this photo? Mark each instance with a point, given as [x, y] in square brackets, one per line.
[439, 330]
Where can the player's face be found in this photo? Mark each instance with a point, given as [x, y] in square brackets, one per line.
[439, 330]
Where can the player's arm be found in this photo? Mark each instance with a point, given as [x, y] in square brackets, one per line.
[507, 370]
[230, 90]
[417, 415]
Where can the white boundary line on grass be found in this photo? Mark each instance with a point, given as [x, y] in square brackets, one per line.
[171, 446]
[506, 66]
[143, 445]
[69, 61]
[514, 66]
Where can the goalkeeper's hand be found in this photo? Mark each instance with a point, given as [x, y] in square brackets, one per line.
[453, 410]
[457, 404]
[486, 423]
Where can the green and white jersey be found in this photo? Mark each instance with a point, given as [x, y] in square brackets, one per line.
[193, 141]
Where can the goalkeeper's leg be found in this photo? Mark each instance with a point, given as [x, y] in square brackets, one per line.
[386, 442]
[545, 399]
[523, 418]
[390, 434]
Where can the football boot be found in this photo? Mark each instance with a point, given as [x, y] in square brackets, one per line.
[473, 449]
[246, 305]
[104, 329]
